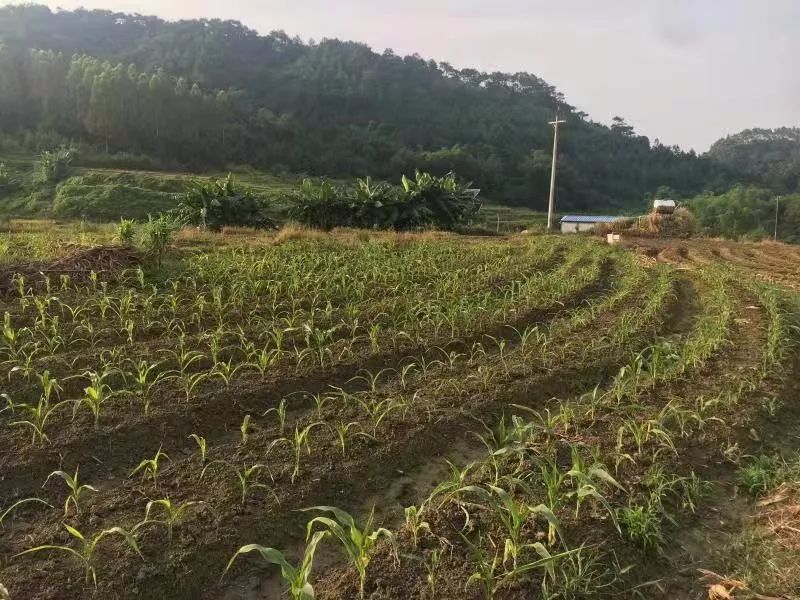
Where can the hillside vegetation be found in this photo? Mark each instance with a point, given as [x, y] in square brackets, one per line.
[207, 93]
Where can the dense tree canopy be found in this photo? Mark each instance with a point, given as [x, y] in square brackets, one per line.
[747, 211]
[769, 156]
[209, 93]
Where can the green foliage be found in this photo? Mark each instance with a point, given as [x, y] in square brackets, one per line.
[641, 524]
[158, 234]
[101, 197]
[126, 231]
[87, 546]
[358, 542]
[300, 587]
[215, 203]
[748, 212]
[54, 165]
[425, 201]
[196, 93]
[5, 175]
[770, 156]
[761, 474]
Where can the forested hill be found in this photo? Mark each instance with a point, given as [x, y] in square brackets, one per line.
[767, 156]
[209, 93]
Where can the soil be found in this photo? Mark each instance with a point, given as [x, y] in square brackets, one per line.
[399, 467]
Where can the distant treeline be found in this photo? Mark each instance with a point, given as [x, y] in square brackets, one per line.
[207, 93]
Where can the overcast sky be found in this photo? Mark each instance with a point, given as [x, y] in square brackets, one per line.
[684, 71]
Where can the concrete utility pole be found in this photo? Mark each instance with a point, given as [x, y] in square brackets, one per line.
[555, 125]
[777, 205]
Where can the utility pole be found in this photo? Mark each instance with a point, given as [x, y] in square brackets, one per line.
[555, 125]
[777, 205]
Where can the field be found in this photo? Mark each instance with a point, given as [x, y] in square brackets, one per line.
[527, 417]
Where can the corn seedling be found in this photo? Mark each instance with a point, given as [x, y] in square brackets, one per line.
[201, 446]
[415, 523]
[95, 395]
[342, 430]
[280, 412]
[87, 546]
[173, 513]
[298, 577]
[76, 490]
[38, 416]
[4, 515]
[244, 476]
[298, 442]
[358, 542]
[150, 466]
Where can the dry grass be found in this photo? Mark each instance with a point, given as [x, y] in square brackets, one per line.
[293, 231]
[30, 225]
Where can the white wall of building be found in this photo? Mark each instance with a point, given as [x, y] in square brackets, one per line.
[576, 227]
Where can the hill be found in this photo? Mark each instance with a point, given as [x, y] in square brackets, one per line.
[207, 93]
[767, 156]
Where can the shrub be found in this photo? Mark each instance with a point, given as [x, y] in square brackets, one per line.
[126, 230]
[217, 203]
[642, 525]
[760, 475]
[5, 176]
[425, 201]
[157, 235]
[54, 165]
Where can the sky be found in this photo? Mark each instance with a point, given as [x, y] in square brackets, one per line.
[685, 71]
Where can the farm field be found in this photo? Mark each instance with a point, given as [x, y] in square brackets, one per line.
[398, 416]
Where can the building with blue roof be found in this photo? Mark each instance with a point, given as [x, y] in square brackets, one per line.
[580, 223]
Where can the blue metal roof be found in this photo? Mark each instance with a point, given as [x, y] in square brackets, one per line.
[588, 219]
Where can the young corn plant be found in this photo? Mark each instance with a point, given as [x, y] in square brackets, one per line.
[415, 523]
[85, 554]
[95, 395]
[513, 514]
[37, 418]
[173, 513]
[201, 446]
[299, 441]
[342, 431]
[280, 412]
[297, 577]
[358, 542]
[490, 578]
[7, 512]
[145, 378]
[244, 476]
[76, 489]
[149, 467]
